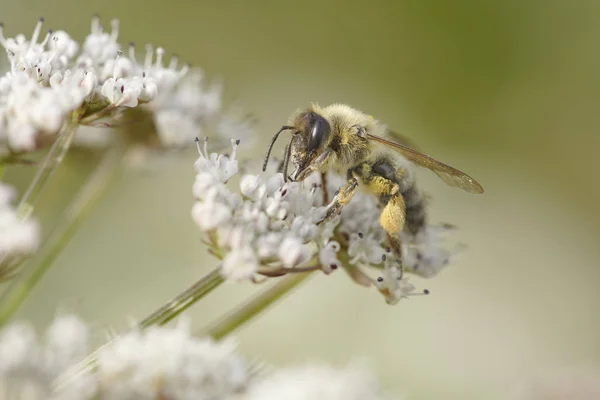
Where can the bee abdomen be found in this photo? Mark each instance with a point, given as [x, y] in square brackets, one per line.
[414, 208]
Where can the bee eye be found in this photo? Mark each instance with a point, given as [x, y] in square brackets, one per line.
[319, 131]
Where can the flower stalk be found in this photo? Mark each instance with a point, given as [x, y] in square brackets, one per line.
[253, 307]
[184, 300]
[49, 165]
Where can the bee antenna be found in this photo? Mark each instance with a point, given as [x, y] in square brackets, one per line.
[286, 161]
[283, 128]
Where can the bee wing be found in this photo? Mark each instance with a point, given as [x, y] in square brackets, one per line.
[402, 139]
[450, 175]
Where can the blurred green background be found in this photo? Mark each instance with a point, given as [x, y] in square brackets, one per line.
[506, 90]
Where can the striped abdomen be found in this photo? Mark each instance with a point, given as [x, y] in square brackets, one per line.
[414, 207]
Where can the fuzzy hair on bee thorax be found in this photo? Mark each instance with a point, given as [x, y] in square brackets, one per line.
[347, 137]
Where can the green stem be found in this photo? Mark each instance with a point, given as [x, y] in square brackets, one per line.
[72, 218]
[184, 300]
[53, 159]
[255, 306]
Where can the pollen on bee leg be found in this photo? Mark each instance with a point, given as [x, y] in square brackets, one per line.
[392, 216]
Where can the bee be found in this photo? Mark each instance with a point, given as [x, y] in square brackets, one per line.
[345, 140]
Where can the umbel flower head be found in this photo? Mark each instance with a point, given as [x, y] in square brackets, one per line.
[54, 81]
[268, 227]
[158, 363]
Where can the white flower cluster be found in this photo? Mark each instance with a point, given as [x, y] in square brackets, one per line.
[271, 227]
[264, 228]
[159, 363]
[56, 81]
[19, 238]
[169, 363]
[28, 367]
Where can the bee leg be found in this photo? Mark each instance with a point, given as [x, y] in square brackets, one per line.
[341, 198]
[316, 165]
[324, 188]
[387, 189]
[282, 163]
[392, 219]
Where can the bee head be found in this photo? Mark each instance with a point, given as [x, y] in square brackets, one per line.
[308, 141]
[311, 131]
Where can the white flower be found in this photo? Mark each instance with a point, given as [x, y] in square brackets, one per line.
[66, 342]
[275, 206]
[424, 254]
[304, 228]
[365, 249]
[328, 256]
[28, 367]
[49, 85]
[210, 214]
[267, 245]
[30, 110]
[222, 167]
[316, 383]
[21, 363]
[184, 106]
[73, 87]
[251, 230]
[19, 238]
[63, 45]
[119, 67]
[203, 183]
[292, 252]
[18, 348]
[169, 363]
[240, 264]
[252, 187]
[274, 183]
[99, 47]
[121, 92]
[394, 285]
[159, 362]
